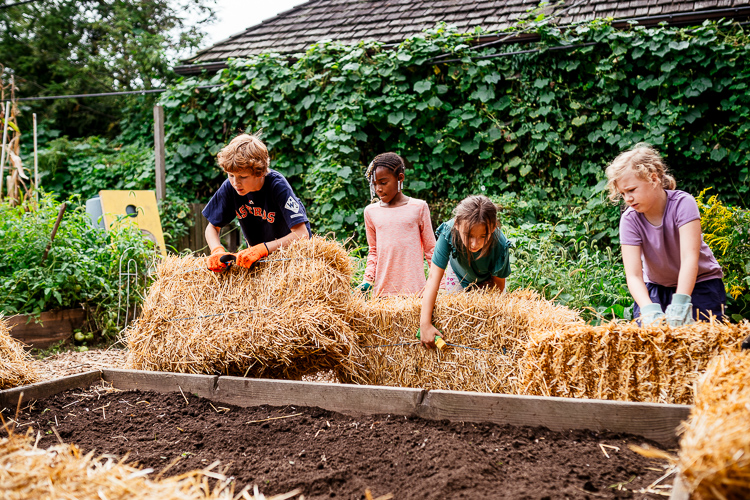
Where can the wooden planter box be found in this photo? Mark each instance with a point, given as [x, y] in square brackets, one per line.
[655, 421]
[49, 328]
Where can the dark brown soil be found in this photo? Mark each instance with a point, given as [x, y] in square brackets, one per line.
[332, 455]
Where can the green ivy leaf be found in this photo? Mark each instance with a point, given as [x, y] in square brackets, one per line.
[422, 86]
[308, 101]
[718, 154]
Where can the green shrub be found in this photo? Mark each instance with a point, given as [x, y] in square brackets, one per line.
[81, 269]
[176, 219]
[726, 230]
[578, 274]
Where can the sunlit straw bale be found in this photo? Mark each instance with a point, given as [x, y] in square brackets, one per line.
[622, 361]
[62, 471]
[284, 318]
[16, 366]
[714, 453]
[490, 327]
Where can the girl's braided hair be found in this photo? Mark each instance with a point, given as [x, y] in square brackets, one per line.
[391, 161]
[644, 161]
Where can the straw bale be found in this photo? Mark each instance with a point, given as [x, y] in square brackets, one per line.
[490, 327]
[62, 471]
[622, 361]
[714, 455]
[16, 366]
[284, 318]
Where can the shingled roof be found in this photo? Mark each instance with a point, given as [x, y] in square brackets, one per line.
[391, 21]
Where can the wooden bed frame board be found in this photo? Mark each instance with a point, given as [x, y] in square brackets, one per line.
[657, 422]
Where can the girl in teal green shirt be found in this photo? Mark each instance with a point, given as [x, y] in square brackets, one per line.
[474, 247]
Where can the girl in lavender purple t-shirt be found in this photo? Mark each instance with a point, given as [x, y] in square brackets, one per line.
[670, 270]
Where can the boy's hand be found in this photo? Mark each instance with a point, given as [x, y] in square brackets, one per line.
[250, 256]
[219, 260]
[651, 314]
[680, 311]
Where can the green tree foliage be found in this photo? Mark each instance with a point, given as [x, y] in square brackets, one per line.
[544, 122]
[64, 47]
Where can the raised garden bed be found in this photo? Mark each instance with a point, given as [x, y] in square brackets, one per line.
[392, 440]
[47, 329]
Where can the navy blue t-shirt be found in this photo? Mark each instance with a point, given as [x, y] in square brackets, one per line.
[264, 215]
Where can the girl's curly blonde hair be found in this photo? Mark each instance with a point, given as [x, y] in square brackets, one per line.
[644, 161]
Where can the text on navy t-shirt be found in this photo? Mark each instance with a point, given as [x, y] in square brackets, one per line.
[264, 215]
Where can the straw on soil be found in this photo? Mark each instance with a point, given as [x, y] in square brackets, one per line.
[284, 318]
[714, 453]
[63, 472]
[16, 365]
[623, 361]
[488, 331]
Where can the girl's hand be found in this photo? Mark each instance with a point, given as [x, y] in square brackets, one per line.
[427, 336]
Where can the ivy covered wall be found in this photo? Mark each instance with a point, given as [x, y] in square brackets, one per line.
[543, 122]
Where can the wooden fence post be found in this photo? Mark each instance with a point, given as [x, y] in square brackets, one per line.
[159, 153]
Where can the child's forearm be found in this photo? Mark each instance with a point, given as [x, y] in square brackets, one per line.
[638, 290]
[430, 295]
[298, 232]
[690, 250]
[212, 236]
[686, 278]
[631, 259]
[498, 283]
[371, 266]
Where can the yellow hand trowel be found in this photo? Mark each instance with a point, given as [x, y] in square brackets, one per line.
[439, 342]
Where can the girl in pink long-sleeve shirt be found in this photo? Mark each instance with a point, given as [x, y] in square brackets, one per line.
[399, 232]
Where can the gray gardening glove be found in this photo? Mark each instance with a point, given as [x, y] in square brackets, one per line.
[651, 314]
[680, 311]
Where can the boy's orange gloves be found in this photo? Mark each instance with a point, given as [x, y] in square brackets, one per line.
[250, 256]
[220, 259]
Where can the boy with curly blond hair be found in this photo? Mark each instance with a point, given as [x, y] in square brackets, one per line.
[270, 214]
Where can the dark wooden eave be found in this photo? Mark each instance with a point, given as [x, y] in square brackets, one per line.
[391, 21]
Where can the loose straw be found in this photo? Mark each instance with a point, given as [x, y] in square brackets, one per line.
[714, 453]
[16, 365]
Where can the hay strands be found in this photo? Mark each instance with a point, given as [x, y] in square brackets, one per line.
[301, 322]
[274, 418]
[204, 268]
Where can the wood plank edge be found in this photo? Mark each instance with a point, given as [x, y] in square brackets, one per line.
[41, 390]
[342, 398]
[560, 414]
[127, 379]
